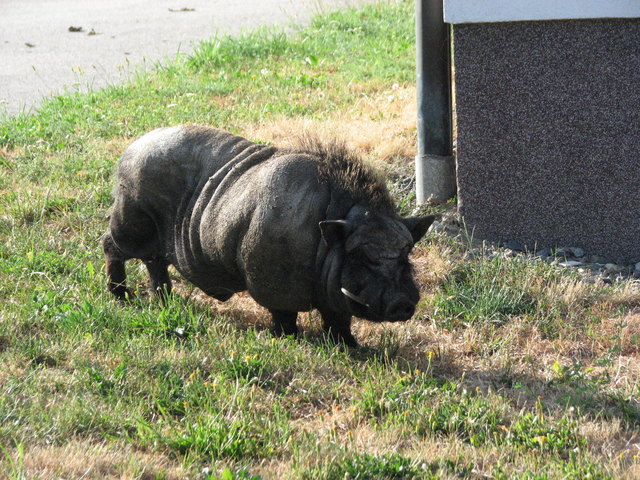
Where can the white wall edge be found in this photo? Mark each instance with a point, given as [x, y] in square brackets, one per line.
[477, 11]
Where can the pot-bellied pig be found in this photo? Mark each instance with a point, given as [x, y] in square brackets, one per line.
[297, 229]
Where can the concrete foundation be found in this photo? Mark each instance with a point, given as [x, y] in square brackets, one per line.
[548, 133]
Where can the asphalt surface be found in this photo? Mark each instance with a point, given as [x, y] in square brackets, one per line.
[40, 56]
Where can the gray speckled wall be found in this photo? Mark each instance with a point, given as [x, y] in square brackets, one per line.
[548, 123]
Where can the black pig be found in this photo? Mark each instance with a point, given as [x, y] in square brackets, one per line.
[311, 228]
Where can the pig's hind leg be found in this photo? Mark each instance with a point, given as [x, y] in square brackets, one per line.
[116, 274]
[134, 234]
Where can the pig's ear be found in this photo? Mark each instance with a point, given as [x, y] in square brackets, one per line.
[334, 231]
[418, 226]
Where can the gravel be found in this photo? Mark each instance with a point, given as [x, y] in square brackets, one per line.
[591, 266]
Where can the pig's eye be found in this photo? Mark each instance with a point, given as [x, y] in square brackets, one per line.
[372, 257]
[379, 258]
[365, 256]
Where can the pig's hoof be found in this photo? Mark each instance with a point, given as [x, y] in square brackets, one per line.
[123, 294]
[283, 331]
[343, 339]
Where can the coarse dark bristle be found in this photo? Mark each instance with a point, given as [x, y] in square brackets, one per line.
[347, 173]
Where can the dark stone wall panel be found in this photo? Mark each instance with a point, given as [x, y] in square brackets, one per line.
[548, 129]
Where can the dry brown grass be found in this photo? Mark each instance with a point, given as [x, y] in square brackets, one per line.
[432, 262]
[86, 460]
[111, 147]
[381, 126]
[628, 296]
[241, 309]
[630, 334]
[7, 155]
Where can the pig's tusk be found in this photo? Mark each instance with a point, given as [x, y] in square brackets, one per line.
[353, 297]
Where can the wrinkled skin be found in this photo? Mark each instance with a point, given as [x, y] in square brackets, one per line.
[231, 215]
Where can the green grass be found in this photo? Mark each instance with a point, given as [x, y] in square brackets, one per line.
[368, 467]
[493, 289]
[511, 369]
[231, 80]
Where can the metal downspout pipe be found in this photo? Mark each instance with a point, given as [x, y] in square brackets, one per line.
[435, 164]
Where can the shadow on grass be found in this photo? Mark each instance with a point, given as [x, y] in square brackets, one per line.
[571, 387]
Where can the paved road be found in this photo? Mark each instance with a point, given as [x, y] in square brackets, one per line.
[40, 56]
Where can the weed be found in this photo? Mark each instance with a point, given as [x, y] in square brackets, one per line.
[490, 290]
[369, 467]
[534, 431]
[228, 474]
